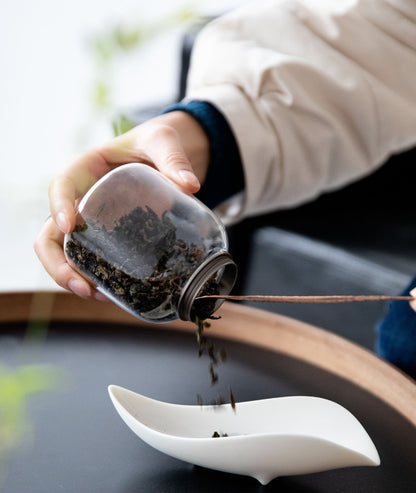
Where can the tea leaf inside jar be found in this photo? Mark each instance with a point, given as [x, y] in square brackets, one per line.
[150, 271]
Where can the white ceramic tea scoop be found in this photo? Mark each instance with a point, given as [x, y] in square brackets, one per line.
[266, 438]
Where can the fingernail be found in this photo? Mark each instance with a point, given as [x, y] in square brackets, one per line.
[62, 222]
[80, 288]
[189, 177]
[413, 292]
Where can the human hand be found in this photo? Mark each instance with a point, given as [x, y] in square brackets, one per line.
[173, 143]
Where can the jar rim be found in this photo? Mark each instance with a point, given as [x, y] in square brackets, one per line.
[193, 286]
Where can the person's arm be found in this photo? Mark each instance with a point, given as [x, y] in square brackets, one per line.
[317, 96]
[311, 101]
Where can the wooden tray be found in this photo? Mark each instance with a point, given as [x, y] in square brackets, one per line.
[80, 444]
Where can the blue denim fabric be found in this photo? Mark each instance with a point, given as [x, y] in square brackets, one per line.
[396, 335]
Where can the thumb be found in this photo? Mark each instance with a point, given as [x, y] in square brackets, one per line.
[168, 156]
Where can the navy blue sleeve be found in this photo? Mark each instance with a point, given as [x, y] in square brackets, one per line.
[396, 334]
[225, 176]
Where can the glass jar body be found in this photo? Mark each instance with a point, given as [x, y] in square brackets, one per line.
[145, 244]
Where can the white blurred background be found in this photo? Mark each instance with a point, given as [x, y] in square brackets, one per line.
[58, 96]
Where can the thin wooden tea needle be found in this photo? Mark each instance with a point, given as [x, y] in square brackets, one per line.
[308, 299]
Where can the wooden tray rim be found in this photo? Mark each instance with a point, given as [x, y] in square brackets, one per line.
[244, 324]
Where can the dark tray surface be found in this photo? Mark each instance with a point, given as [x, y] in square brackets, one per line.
[80, 444]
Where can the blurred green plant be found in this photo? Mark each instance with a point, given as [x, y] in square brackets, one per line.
[117, 44]
[122, 124]
[17, 385]
[21, 383]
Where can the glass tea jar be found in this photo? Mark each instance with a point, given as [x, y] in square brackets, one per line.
[149, 247]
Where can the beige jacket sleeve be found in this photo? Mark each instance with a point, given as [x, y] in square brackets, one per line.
[318, 94]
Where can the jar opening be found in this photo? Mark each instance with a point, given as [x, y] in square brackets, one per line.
[216, 275]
